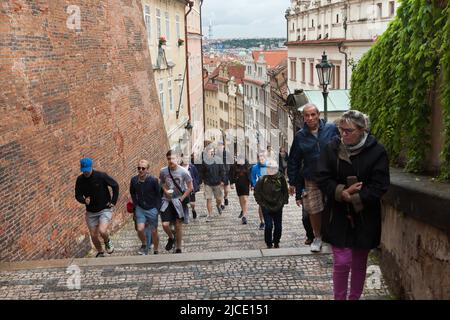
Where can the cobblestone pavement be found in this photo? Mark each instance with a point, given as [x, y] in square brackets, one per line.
[295, 277]
[284, 277]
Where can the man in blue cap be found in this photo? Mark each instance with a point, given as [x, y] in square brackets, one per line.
[92, 190]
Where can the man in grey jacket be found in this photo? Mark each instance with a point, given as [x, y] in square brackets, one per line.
[213, 177]
[176, 183]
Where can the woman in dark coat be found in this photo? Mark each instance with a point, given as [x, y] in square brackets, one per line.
[240, 177]
[353, 173]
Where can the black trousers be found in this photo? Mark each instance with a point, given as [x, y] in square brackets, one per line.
[307, 225]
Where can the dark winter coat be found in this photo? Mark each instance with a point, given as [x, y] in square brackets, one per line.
[212, 173]
[371, 167]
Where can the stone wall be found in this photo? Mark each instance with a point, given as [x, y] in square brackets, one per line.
[415, 255]
[76, 80]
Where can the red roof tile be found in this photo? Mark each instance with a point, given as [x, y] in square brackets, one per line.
[272, 58]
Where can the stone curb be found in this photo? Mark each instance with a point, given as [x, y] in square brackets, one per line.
[158, 259]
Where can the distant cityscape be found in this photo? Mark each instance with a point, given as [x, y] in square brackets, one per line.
[221, 45]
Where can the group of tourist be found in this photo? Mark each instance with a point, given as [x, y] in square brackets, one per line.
[337, 171]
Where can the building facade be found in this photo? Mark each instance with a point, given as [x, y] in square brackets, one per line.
[195, 56]
[344, 29]
[165, 26]
[280, 118]
[257, 100]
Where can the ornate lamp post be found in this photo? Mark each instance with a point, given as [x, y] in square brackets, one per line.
[324, 72]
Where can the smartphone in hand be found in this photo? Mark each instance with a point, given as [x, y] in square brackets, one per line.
[351, 180]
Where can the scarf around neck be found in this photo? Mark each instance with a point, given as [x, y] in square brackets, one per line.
[345, 151]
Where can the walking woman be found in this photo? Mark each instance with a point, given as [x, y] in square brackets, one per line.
[240, 177]
[353, 173]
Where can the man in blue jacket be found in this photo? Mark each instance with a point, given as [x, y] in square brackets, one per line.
[303, 158]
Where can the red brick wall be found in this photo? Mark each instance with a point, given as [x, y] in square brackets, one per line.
[66, 94]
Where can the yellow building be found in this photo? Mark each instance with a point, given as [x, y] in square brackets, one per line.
[212, 115]
[165, 23]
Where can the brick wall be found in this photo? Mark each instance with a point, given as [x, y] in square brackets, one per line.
[67, 93]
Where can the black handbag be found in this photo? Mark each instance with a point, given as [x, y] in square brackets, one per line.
[186, 200]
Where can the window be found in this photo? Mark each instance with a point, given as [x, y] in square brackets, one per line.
[161, 96]
[379, 10]
[312, 23]
[293, 71]
[158, 23]
[391, 8]
[337, 77]
[169, 87]
[167, 27]
[177, 22]
[303, 72]
[256, 95]
[260, 72]
[337, 18]
[311, 73]
[293, 26]
[147, 21]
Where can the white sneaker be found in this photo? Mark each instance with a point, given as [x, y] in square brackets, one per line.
[209, 219]
[316, 245]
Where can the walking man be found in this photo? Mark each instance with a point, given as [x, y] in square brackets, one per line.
[145, 192]
[91, 189]
[213, 177]
[176, 183]
[302, 163]
[222, 154]
[259, 170]
[185, 163]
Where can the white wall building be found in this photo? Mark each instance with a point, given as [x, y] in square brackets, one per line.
[344, 29]
[257, 107]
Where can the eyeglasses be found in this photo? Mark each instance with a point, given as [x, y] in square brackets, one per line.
[141, 168]
[346, 130]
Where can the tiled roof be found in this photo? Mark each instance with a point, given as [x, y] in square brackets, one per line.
[272, 58]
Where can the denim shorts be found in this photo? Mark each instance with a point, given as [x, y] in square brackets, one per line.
[93, 219]
[147, 216]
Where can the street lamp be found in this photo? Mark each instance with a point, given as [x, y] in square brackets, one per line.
[324, 72]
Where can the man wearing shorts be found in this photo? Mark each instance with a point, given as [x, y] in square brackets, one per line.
[145, 192]
[177, 186]
[302, 163]
[91, 189]
[213, 176]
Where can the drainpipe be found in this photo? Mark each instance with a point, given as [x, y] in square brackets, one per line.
[287, 28]
[346, 62]
[203, 66]
[191, 4]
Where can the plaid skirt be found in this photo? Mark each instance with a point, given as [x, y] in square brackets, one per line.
[312, 199]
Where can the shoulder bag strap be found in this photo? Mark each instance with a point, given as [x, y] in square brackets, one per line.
[175, 183]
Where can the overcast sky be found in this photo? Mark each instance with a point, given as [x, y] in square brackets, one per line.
[245, 18]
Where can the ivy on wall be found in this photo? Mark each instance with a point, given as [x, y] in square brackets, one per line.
[393, 81]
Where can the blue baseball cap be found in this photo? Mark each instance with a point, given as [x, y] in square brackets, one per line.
[86, 164]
